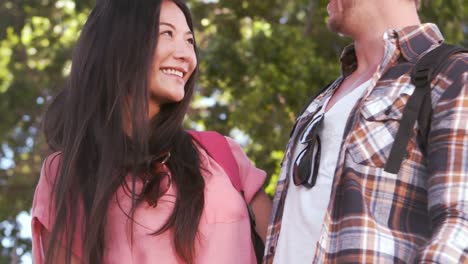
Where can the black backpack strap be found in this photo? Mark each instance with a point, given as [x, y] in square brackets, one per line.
[419, 104]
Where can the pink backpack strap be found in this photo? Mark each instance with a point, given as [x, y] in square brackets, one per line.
[218, 148]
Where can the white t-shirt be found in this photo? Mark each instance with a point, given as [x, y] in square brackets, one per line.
[304, 208]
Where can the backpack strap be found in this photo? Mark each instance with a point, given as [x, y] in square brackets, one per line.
[218, 148]
[419, 104]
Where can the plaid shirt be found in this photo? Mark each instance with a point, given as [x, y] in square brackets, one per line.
[419, 214]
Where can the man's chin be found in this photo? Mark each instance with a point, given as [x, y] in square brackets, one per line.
[333, 25]
[337, 28]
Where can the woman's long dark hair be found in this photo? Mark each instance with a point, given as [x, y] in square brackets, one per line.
[88, 123]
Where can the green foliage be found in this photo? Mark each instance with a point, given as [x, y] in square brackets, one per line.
[260, 62]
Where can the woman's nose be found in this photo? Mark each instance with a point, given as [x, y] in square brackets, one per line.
[184, 50]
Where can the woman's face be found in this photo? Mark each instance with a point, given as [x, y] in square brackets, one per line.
[174, 60]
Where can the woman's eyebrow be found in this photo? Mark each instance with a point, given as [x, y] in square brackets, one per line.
[173, 27]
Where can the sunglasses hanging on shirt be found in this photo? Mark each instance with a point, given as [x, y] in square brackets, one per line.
[306, 165]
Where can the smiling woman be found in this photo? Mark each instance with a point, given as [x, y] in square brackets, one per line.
[127, 183]
[175, 59]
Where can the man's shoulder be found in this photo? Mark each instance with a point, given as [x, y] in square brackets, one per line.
[461, 56]
[456, 64]
[445, 60]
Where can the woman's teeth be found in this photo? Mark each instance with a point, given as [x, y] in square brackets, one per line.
[173, 72]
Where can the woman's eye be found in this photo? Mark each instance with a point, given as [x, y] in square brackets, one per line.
[191, 41]
[167, 33]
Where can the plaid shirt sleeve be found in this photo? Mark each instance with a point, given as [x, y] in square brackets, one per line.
[448, 167]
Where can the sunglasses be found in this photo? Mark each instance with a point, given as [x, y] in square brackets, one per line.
[306, 165]
[157, 180]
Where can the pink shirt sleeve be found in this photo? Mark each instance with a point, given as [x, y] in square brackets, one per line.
[42, 211]
[251, 177]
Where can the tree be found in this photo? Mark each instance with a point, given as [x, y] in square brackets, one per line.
[260, 61]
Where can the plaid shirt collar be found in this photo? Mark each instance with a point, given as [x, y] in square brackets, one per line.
[411, 42]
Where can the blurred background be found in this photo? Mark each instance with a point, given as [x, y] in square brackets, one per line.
[260, 62]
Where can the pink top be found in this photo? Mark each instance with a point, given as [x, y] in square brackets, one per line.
[224, 230]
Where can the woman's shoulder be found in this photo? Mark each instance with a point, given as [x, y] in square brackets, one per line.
[50, 167]
[238, 152]
[43, 191]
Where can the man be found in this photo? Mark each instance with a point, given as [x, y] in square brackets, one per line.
[335, 202]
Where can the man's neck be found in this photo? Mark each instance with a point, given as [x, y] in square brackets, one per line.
[369, 53]
[369, 42]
